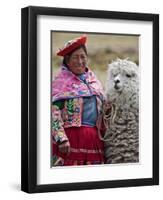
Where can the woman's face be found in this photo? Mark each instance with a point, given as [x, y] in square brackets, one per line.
[78, 61]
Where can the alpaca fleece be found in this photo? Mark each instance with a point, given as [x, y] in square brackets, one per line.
[122, 93]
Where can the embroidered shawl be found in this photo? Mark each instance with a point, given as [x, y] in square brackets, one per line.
[67, 85]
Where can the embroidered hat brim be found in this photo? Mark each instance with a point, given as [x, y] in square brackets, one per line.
[71, 45]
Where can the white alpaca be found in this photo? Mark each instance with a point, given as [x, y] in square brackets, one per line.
[122, 92]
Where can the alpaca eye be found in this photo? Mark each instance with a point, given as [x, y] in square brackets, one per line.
[128, 75]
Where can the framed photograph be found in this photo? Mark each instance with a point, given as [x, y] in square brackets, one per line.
[90, 99]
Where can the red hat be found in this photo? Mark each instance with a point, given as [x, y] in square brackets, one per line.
[71, 45]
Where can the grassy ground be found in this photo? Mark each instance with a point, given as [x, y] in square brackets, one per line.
[102, 49]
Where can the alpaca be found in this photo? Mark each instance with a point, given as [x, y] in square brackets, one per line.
[121, 139]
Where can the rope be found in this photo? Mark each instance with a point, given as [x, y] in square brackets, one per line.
[106, 117]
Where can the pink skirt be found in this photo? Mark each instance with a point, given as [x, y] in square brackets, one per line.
[85, 148]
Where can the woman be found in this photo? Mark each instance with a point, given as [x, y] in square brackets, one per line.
[77, 99]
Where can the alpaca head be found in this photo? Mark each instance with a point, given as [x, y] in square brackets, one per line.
[122, 81]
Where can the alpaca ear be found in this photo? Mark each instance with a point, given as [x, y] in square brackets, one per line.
[117, 59]
[112, 61]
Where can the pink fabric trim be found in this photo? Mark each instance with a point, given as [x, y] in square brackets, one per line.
[68, 85]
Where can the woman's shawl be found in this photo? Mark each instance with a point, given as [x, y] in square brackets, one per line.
[67, 85]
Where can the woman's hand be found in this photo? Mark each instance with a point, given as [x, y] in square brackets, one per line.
[65, 147]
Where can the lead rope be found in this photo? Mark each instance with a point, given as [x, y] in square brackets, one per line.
[106, 118]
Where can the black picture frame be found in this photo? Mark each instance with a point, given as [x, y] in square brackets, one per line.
[29, 99]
